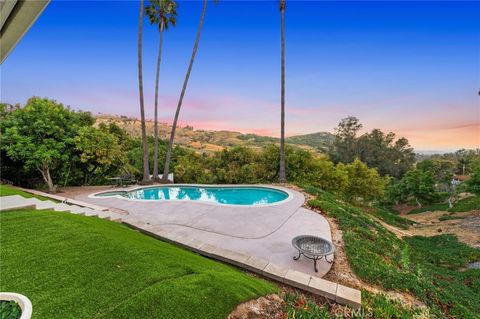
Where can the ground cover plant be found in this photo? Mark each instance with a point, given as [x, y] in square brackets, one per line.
[466, 204]
[391, 217]
[9, 310]
[449, 217]
[299, 306]
[430, 208]
[430, 268]
[74, 266]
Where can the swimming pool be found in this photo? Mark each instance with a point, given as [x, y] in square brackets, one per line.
[234, 195]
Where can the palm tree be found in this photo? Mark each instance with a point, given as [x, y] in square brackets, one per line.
[182, 94]
[146, 170]
[282, 174]
[163, 14]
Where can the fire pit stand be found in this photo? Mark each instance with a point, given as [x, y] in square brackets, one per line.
[314, 248]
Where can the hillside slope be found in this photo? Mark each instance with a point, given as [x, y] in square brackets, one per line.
[210, 141]
[320, 140]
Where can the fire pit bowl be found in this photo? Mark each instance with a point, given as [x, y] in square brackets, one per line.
[314, 248]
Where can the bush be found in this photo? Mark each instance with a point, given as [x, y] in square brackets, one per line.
[473, 184]
[466, 204]
[10, 310]
[363, 182]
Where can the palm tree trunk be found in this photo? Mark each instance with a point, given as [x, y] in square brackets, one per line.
[155, 148]
[146, 170]
[180, 101]
[282, 174]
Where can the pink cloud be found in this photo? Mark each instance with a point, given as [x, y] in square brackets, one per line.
[449, 125]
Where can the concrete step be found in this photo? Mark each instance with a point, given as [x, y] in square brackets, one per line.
[76, 209]
[100, 214]
[82, 204]
[90, 212]
[84, 210]
[44, 204]
[62, 208]
[109, 216]
[104, 215]
[16, 202]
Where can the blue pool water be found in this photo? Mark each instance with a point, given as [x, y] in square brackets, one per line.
[252, 196]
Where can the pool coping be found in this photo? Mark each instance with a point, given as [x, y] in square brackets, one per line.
[137, 187]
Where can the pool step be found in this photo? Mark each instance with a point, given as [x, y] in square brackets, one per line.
[18, 202]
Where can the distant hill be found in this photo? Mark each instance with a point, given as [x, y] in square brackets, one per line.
[210, 141]
[320, 140]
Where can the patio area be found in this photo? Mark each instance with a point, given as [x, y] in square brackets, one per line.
[263, 231]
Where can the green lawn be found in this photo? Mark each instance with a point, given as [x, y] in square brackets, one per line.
[6, 190]
[73, 266]
[431, 268]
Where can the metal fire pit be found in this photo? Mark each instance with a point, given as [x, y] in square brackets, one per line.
[313, 247]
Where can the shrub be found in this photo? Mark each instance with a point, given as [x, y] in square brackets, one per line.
[363, 182]
[473, 184]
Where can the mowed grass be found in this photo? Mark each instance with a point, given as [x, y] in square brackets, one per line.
[73, 266]
[6, 190]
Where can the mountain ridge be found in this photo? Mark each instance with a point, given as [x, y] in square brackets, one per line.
[211, 140]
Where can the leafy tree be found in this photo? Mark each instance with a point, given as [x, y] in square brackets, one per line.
[382, 151]
[303, 168]
[442, 169]
[323, 174]
[122, 136]
[401, 158]
[473, 184]
[344, 145]
[161, 13]
[391, 157]
[468, 161]
[362, 182]
[42, 135]
[394, 193]
[237, 165]
[191, 167]
[5, 108]
[99, 150]
[418, 184]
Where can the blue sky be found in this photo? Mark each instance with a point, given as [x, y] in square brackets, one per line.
[408, 67]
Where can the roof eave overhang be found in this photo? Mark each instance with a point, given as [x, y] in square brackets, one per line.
[16, 17]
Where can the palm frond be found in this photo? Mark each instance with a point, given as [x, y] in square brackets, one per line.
[162, 11]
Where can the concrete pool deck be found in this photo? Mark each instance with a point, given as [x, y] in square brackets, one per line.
[258, 231]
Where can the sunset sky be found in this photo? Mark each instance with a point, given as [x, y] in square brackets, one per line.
[407, 67]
